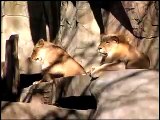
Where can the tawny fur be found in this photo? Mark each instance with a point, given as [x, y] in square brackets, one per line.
[116, 48]
[118, 54]
[55, 60]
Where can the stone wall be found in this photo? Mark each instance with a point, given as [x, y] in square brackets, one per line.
[15, 20]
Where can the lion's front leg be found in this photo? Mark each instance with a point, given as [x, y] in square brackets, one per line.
[96, 72]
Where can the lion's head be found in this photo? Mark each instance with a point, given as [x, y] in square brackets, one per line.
[40, 50]
[110, 46]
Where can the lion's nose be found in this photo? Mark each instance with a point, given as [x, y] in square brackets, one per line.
[40, 59]
[29, 59]
[99, 48]
[37, 58]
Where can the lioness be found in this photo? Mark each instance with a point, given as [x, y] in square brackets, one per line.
[55, 61]
[117, 51]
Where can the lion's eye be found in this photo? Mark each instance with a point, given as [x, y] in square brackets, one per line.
[107, 42]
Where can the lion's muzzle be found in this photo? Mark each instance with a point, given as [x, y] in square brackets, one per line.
[102, 51]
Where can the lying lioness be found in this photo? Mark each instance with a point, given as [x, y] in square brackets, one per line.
[55, 61]
[117, 51]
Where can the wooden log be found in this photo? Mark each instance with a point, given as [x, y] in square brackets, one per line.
[12, 64]
[3, 70]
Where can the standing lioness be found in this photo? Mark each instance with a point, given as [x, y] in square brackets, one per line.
[117, 51]
[55, 60]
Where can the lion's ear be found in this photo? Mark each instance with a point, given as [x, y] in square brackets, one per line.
[40, 43]
[115, 38]
[102, 37]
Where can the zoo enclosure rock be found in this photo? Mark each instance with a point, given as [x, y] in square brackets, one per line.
[126, 94]
[17, 110]
[49, 92]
